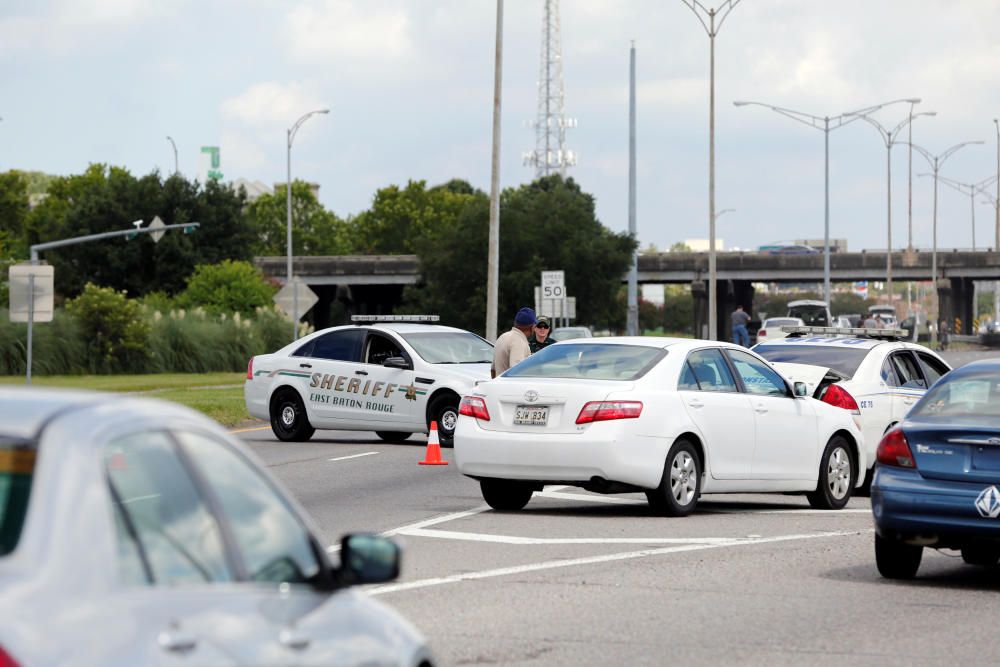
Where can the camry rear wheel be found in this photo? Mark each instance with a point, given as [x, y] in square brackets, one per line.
[680, 486]
[506, 495]
[895, 559]
[288, 418]
[836, 476]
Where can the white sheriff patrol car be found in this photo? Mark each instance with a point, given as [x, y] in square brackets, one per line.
[870, 372]
[390, 374]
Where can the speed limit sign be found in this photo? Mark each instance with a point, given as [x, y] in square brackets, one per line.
[553, 284]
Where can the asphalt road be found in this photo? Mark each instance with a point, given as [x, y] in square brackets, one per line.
[584, 579]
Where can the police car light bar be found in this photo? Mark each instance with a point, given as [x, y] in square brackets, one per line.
[395, 318]
[861, 332]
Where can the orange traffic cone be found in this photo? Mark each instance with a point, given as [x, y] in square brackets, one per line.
[433, 455]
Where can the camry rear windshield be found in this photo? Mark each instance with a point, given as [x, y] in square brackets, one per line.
[973, 396]
[589, 360]
[17, 467]
[845, 360]
[450, 347]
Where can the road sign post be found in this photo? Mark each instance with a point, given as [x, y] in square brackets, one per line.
[554, 287]
[31, 298]
[295, 298]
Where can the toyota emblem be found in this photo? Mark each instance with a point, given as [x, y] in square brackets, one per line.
[531, 396]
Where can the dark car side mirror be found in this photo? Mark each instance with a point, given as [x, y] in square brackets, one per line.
[397, 362]
[368, 559]
[800, 389]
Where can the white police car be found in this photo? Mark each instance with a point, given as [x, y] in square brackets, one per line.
[392, 374]
[870, 372]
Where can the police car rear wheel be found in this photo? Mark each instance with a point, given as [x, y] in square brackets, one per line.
[444, 410]
[288, 418]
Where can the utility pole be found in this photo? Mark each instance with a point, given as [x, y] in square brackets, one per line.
[632, 321]
[493, 251]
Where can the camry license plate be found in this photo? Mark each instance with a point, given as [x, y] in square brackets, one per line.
[531, 415]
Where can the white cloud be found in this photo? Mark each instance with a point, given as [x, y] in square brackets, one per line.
[271, 103]
[340, 34]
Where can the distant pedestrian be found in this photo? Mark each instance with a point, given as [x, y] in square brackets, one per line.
[740, 334]
[512, 347]
[540, 336]
[879, 324]
[871, 322]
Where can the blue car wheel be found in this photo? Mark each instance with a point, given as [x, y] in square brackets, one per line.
[895, 559]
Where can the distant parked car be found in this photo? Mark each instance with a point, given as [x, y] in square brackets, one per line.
[814, 313]
[149, 536]
[770, 329]
[938, 473]
[569, 333]
[843, 321]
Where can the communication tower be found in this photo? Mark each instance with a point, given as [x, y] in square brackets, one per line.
[550, 154]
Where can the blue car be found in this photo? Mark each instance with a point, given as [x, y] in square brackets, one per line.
[937, 478]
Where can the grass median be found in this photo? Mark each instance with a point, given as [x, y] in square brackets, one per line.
[218, 395]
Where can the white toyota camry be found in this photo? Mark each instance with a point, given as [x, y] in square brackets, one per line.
[392, 374]
[871, 373]
[672, 417]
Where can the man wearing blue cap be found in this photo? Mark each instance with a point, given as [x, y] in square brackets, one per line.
[512, 347]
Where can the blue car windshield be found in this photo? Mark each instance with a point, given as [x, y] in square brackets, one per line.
[973, 395]
[596, 361]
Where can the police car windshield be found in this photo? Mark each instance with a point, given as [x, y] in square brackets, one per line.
[595, 361]
[841, 358]
[450, 347]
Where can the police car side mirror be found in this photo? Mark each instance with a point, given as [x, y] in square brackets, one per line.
[800, 389]
[397, 362]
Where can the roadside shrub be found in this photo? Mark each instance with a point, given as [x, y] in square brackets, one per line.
[114, 329]
[158, 301]
[58, 347]
[227, 287]
[196, 342]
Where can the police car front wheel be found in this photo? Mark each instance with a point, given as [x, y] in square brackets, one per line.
[288, 417]
[444, 410]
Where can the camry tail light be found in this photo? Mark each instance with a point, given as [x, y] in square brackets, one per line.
[839, 397]
[599, 411]
[894, 450]
[250, 369]
[6, 660]
[473, 406]
[762, 333]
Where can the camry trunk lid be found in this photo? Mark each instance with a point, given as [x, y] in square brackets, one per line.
[815, 377]
[542, 405]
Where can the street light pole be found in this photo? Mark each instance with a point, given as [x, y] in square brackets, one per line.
[973, 190]
[936, 162]
[493, 247]
[171, 140]
[823, 123]
[711, 29]
[288, 195]
[889, 137]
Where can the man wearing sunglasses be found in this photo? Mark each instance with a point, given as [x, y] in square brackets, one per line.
[540, 336]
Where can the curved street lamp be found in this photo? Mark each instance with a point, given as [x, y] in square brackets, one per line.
[288, 191]
[936, 162]
[171, 140]
[825, 124]
[889, 138]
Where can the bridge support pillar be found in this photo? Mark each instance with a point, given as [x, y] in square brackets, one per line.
[963, 295]
[946, 309]
[699, 294]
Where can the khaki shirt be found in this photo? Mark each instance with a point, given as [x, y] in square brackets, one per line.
[511, 349]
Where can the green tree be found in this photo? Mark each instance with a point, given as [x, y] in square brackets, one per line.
[227, 287]
[113, 326]
[106, 199]
[400, 217]
[549, 224]
[13, 214]
[315, 231]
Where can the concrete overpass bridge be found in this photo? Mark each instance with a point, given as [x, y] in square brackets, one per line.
[374, 283]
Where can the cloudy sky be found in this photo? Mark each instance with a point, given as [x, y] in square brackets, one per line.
[409, 83]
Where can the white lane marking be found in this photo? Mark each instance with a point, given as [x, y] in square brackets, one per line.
[555, 495]
[435, 520]
[589, 560]
[352, 456]
[515, 539]
[709, 510]
[248, 430]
